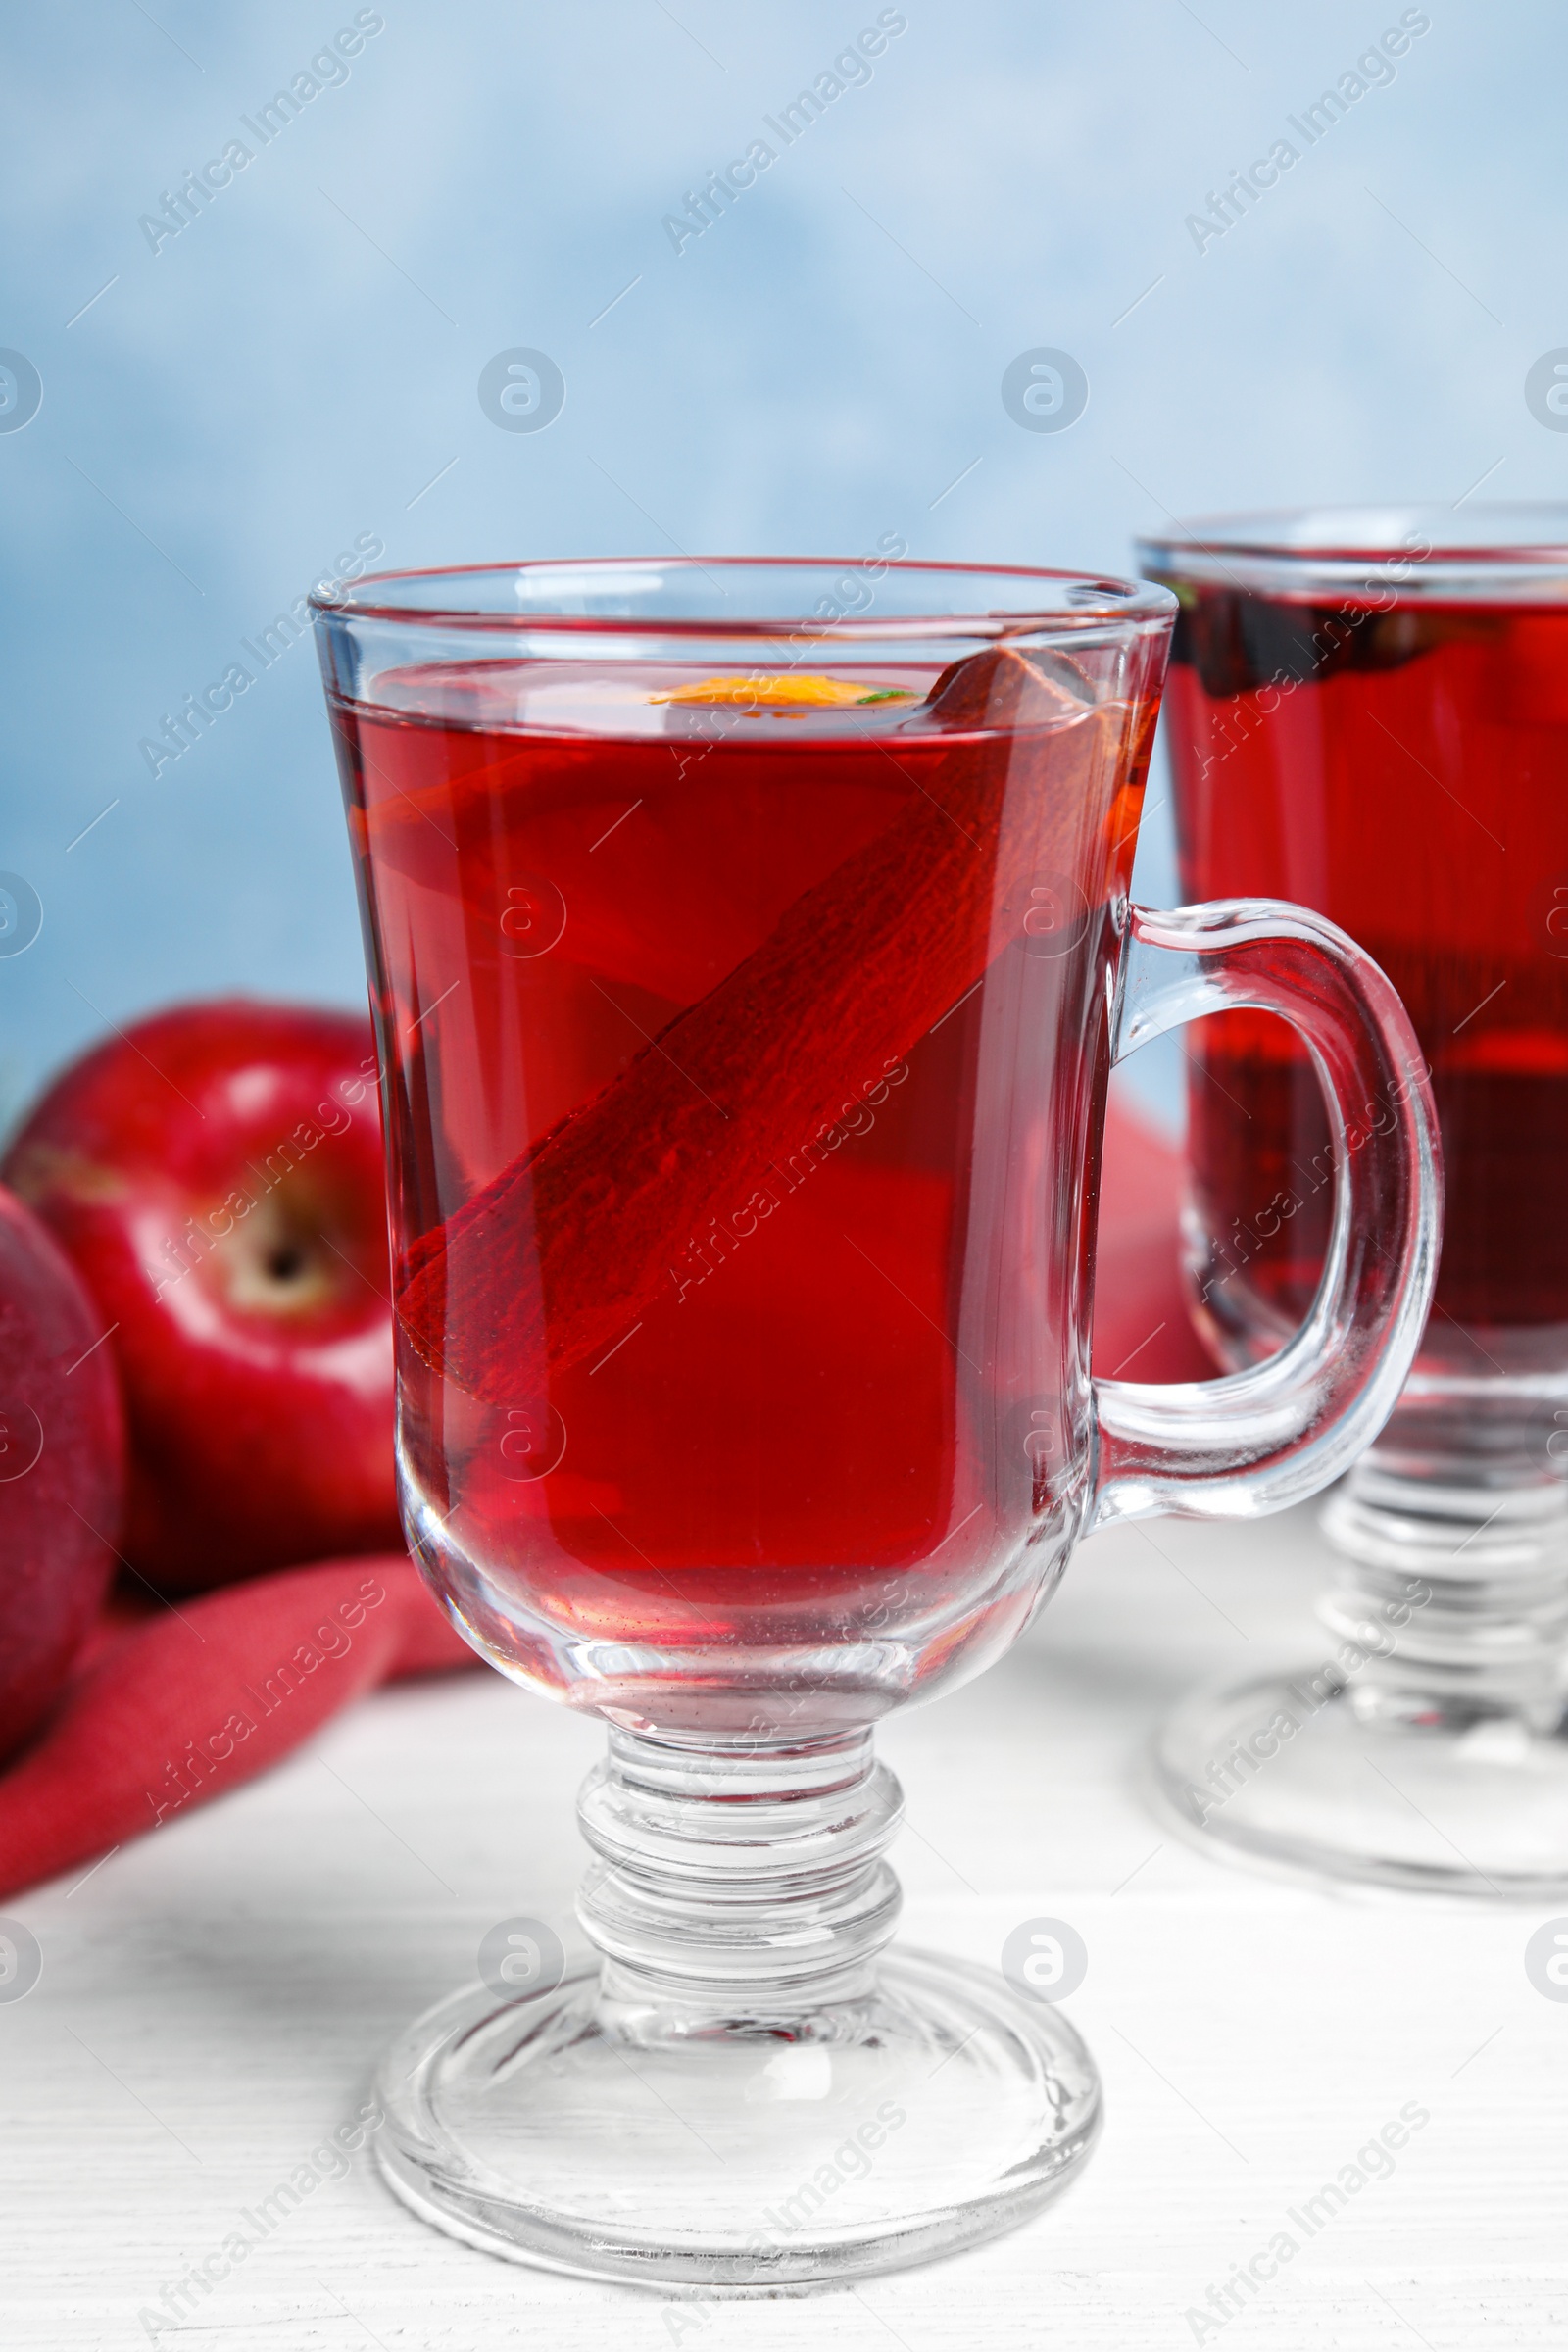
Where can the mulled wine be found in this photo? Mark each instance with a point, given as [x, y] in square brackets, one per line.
[699, 993]
[1402, 766]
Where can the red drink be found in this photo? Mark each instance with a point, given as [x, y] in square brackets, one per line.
[701, 1025]
[1400, 764]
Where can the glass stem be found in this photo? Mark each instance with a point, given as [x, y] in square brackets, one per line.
[1457, 1572]
[738, 1881]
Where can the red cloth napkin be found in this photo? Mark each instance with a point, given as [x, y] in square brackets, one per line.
[169, 1708]
[193, 1700]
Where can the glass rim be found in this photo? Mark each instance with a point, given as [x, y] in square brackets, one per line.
[422, 597]
[1423, 547]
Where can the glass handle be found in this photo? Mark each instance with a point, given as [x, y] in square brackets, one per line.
[1258, 1439]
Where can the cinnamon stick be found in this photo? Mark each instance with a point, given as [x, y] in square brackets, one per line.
[590, 1221]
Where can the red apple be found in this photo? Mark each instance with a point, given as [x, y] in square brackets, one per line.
[214, 1174]
[61, 1469]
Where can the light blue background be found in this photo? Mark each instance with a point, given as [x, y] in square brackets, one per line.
[817, 369]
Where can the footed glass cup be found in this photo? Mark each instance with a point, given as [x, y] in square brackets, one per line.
[748, 943]
[1368, 711]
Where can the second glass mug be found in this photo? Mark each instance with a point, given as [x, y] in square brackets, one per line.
[748, 945]
[1368, 710]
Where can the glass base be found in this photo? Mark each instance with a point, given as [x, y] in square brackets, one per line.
[1333, 1780]
[587, 2131]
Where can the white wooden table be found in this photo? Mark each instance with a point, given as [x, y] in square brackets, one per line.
[212, 2000]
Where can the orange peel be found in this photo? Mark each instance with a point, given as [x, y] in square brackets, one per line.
[789, 693]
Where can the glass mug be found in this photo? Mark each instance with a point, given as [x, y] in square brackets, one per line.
[748, 945]
[1368, 711]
